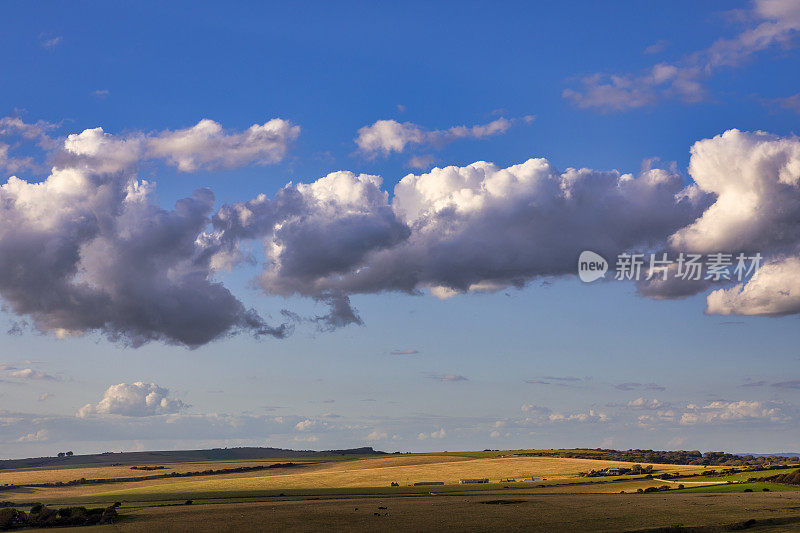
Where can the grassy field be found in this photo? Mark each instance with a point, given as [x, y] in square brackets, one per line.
[771, 512]
[741, 487]
[740, 476]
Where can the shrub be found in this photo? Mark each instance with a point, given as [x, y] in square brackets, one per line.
[748, 490]
[45, 517]
[109, 515]
[72, 516]
[94, 516]
[7, 517]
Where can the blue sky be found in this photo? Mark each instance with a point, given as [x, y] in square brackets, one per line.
[540, 360]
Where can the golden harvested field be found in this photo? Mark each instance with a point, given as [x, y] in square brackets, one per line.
[355, 495]
[51, 475]
[358, 473]
[381, 472]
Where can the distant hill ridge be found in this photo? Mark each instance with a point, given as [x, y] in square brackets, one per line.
[178, 456]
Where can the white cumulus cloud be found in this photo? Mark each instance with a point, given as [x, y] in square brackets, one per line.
[206, 145]
[134, 399]
[387, 136]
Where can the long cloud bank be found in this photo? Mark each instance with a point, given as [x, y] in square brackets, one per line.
[88, 249]
[480, 227]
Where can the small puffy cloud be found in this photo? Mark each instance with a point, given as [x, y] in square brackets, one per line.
[135, 400]
[306, 438]
[304, 425]
[45, 396]
[538, 415]
[206, 145]
[41, 435]
[494, 434]
[434, 435]
[387, 136]
[645, 404]
[49, 43]
[377, 435]
[404, 352]
[100, 93]
[589, 416]
[31, 374]
[721, 411]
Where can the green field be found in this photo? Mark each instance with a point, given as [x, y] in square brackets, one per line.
[740, 487]
[739, 476]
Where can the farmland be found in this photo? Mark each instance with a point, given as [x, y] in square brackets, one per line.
[359, 473]
[310, 490]
[551, 512]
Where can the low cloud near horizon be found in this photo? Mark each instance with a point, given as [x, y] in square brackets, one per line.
[135, 400]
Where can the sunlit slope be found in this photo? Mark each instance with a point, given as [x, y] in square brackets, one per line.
[382, 472]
